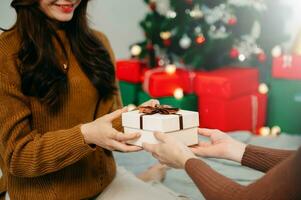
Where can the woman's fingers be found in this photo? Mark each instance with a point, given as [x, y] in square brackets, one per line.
[149, 147]
[118, 146]
[122, 137]
[206, 132]
[114, 115]
[161, 136]
[151, 103]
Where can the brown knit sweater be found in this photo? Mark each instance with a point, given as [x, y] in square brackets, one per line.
[282, 180]
[43, 155]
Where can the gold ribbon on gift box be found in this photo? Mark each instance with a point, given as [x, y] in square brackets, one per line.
[160, 109]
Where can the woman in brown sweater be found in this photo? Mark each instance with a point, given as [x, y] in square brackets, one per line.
[283, 168]
[57, 97]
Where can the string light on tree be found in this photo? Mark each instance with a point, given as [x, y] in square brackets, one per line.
[242, 57]
[185, 42]
[171, 14]
[136, 50]
[165, 35]
[276, 51]
[170, 69]
[196, 12]
[178, 93]
[263, 88]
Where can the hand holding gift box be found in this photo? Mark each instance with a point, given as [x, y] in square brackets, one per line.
[181, 124]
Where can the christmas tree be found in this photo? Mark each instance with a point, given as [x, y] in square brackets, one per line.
[207, 34]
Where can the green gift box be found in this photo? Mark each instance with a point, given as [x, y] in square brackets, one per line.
[284, 109]
[188, 102]
[129, 92]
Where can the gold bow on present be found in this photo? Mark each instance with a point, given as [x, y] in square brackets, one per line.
[161, 109]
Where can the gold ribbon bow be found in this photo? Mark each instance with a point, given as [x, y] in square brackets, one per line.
[161, 109]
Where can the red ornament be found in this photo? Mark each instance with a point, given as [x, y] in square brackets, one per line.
[234, 53]
[153, 6]
[200, 39]
[189, 2]
[167, 42]
[261, 57]
[150, 46]
[232, 21]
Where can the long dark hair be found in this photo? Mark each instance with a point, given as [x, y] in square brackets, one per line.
[42, 75]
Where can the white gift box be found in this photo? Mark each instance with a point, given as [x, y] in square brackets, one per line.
[182, 126]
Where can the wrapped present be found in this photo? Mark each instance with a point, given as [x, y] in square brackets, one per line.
[129, 92]
[181, 124]
[284, 108]
[187, 102]
[227, 82]
[246, 112]
[130, 70]
[287, 67]
[161, 82]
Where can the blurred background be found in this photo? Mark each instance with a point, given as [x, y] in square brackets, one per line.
[228, 60]
[236, 62]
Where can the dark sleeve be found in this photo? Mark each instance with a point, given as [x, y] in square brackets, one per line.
[281, 182]
[263, 159]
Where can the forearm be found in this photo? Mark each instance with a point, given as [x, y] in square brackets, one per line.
[40, 154]
[282, 182]
[263, 159]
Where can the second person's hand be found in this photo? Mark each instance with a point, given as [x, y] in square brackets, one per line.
[169, 151]
[220, 145]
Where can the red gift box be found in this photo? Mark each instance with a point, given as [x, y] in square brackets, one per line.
[287, 67]
[159, 83]
[227, 82]
[130, 70]
[247, 112]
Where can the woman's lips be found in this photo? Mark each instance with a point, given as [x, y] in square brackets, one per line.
[66, 8]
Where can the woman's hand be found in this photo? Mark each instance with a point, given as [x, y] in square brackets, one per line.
[101, 133]
[221, 145]
[170, 151]
[151, 102]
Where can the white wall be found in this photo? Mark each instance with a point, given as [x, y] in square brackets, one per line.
[118, 19]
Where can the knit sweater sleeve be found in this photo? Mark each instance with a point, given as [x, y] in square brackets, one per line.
[263, 159]
[281, 182]
[25, 151]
